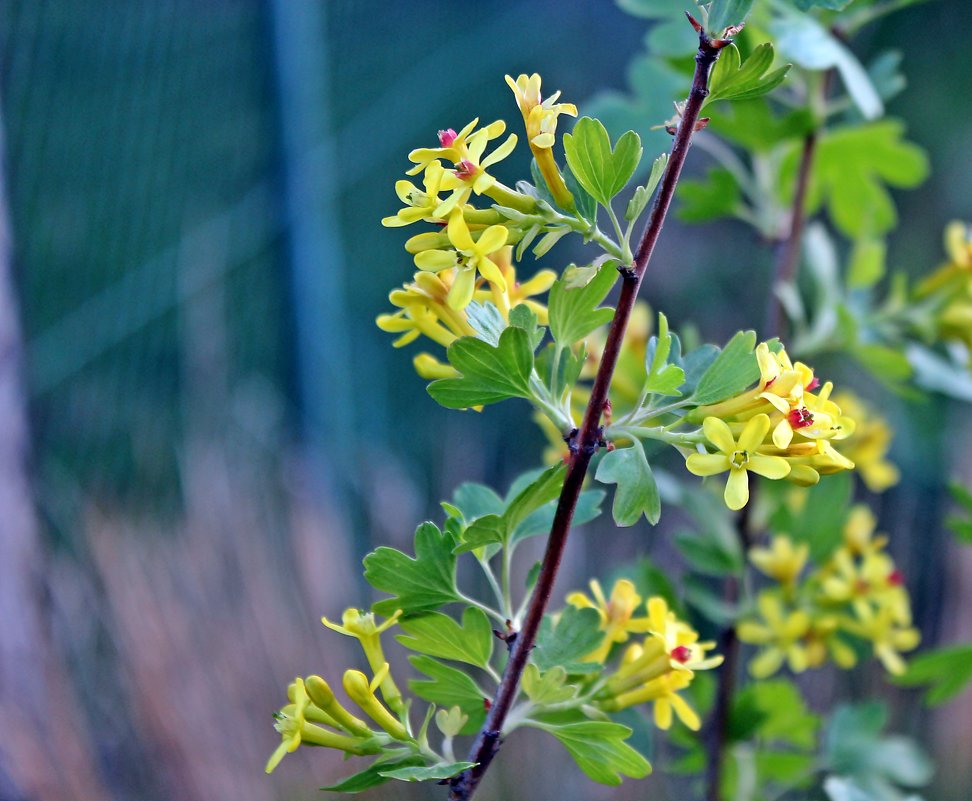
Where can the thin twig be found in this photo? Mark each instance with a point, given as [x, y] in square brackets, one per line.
[587, 440]
[788, 256]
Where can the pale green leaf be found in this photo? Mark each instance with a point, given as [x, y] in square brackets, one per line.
[600, 750]
[575, 313]
[637, 492]
[439, 635]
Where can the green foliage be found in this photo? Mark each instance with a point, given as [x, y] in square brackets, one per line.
[422, 584]
[600, 750]
[775, 712]
[961, 525]
[372, 776]
[664, 378]
[439, 635]
[735, 79]
[732, 371]
[433, 772]
[549, 687]
[875, 765]
[574, 635]
[489, 374]
[601, 171]
[449, 687]
[945, 672]
[715, 196]
[819, 521]
[643, 194]
[808, 43]
[500, 527]
[854, 165]
[723, 13]
[575, 313]
[637, 492]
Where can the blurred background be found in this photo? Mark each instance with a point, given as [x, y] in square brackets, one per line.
[213, 429]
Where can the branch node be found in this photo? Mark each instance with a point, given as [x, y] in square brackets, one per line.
[628, 273]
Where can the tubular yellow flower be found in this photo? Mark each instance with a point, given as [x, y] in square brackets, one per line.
[361, 626]
[291, 723]
[782, 561]
[737, 457]
[616, 614]
[782, 634]
[540, 119]
[663, 692]
[362, 692]
[322, 695]
[468, 257]
[423, 310]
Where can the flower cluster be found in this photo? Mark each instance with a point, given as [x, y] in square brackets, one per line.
[655, 669]
[857, 595]
[469, 257]
[316, 717]
[778, 429]
[949, 289]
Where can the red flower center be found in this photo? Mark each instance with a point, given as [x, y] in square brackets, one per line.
[895, 578]
[812, 385]
[465, 169]
[800, 418]
[681, 654]
[447, 137]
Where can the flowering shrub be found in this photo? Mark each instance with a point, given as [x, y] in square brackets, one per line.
[615, 387]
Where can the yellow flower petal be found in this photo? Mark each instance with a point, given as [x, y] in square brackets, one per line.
[737, 489]
[707, 464]
[718, 433]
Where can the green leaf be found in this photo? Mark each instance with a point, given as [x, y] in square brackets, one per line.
[775, 711]
[574, 313]
[439, 635]
[371, 776]
[663, 378]
[867, 263]
[637, 492]
[754, 125]
[601, 171]
[575, 634]
[708, 602]
[549, 687]
[811, 45]
[599, 750]
[937, 374]
[449, 687]
[489, 374]
[476, 500]
[732, 371]
[539, 522]
[855, 748]
[820, 521]
[833, 5]
[420, 774]
[725, 13]
[945, 672]
[718, 195]
[486, 321]
[886, 363]
[422, 584]
[853, 167]
[585, 204]
[643, 194]
[499, 528]
[734, 79]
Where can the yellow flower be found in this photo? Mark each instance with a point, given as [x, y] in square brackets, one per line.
[663, 692]
[782, 634]
[616, 614]
[873, 579]
[737, 457]
[958, 243]
[869, 445]
[419, 204]
[291, 723]
[681, 641]
[540, 119]
[888, 638]
[362, 692]
[469, 256]
[859, 531]
[423, 311]
[782, 561]
[361, 626]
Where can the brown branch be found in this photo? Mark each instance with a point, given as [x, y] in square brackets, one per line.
[586, 441]
[788, 256]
